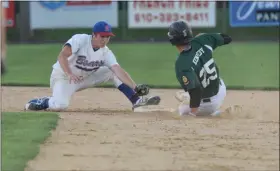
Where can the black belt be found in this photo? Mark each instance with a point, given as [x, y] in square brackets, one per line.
[207, 100]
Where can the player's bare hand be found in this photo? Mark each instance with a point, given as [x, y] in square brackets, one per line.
[74, 79]
[193, 112]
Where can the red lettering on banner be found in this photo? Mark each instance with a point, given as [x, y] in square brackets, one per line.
[137, 18]
[176, 16]
[149, 17]
[205, 4]
[135, 4]
[195, 17]
[201, 16]
[193, 4]
[169, 17]
[153, 4]
[188, 17]
[70, 3]
[198, 4]
[161, 17]
[206, 16]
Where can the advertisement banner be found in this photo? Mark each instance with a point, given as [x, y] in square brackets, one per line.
[9, 7]
[160, 14]
[72, 14]
[254, 13]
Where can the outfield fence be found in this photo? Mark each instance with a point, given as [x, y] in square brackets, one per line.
[142, 21]
[253, 64]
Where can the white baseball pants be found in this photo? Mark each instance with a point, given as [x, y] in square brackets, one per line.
[207, 108]
[62, 90]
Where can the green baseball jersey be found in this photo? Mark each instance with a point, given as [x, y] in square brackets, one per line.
[197, 68]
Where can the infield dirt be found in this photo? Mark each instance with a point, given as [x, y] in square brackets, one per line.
[100, 132]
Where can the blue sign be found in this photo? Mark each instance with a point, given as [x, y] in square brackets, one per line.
[52, 5]
[254, 13]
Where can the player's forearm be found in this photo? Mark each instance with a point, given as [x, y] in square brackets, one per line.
[62, 59]
[194, 110]
[195, 98]
[65, 53]
[133, 83]
[126, 79]
[123, 76]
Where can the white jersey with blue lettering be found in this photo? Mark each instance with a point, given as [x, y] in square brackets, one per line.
[93, 67]
[84, 60]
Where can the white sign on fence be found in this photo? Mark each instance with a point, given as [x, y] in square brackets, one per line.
[160, 14]
[72, 14]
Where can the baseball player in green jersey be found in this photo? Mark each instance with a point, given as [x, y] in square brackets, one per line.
[197, 71]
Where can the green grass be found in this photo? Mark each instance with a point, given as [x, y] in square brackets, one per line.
[22, 133]
[254, 65]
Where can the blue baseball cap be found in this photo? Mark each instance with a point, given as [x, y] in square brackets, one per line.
[103, 28]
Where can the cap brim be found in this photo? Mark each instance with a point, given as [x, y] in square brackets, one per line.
[106, 34]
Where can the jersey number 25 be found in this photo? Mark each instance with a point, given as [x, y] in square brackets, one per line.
[208, 73]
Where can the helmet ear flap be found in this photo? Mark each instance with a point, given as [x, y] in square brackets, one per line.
[169, 36]
[172, 39]
[173, 42]
[180, 33]
[178, 40]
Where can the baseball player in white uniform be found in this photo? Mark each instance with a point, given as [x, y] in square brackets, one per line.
[86, 61]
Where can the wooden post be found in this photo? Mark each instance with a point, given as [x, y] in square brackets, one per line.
[24, 21]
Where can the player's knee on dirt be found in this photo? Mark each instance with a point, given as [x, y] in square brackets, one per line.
[62, 106]
[58, 104]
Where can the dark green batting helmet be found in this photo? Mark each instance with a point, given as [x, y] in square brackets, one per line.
[179, 33]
